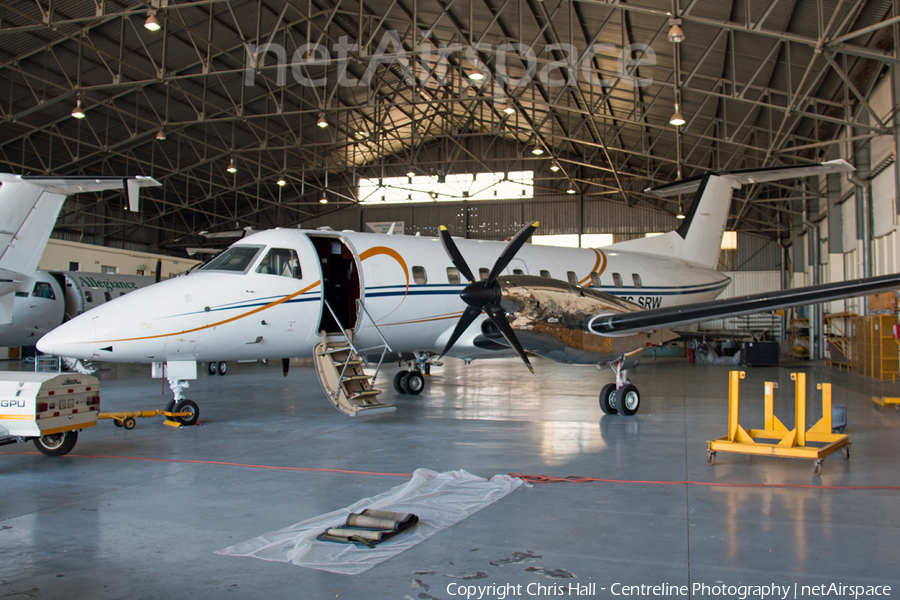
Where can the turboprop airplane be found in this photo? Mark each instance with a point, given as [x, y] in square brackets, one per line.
[341, 296]
[33, 302]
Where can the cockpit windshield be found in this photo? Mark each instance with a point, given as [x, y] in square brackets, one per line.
[236, 258]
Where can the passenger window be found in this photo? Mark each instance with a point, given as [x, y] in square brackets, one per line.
[42, 289]
[573, 279]
[595, 279]
[637, 279]
[617, 280]
[108, 296]
[89, 297]
[545, 273]
[483, 273]
[452, 275]
[282, 262]
[419, 275]
[518, 272]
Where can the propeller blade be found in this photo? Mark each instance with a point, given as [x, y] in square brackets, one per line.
[455, 257]
[498, 317]
[158, 270]
[509, 252]
[285, 365]
[469, 315]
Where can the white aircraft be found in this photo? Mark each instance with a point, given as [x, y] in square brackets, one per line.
[280, 293]
[33, 302]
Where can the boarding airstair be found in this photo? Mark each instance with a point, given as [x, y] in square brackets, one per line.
[339, 365]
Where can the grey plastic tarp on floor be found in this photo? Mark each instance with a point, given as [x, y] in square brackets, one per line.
[439, 499]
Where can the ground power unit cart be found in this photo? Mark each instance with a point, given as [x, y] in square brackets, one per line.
[48, 408]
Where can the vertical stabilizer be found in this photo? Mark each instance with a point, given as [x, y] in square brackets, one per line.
[27, 214]
[705, 222]
[699, 238]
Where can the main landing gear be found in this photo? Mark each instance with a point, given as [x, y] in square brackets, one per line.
[221, 368]
[413, 381]
[620, 397]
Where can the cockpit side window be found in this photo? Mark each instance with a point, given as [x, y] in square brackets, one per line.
[235, 259]
[280, 261]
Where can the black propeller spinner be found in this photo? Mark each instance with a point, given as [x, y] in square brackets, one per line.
[484, 296]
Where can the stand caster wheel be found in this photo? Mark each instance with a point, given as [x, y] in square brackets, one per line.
[817, 469]
[710, 458]
[846, 451]
[128, 423]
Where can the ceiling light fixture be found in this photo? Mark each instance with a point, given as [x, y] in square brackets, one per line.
[281, 181]
[677, 119]
[554, 166]
[680, 215]
[323, 199]
[77, 112]
[231, 168]
[507, 107]
[410, 173]
[676, 33]
[571, 189]
[161, 134]
[537, 150]
[152, 23]
[475, 74]
[322, 122]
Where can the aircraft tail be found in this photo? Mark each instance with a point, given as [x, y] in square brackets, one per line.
[29, 207]
[699, 237]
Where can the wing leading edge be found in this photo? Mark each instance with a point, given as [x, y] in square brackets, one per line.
[647, 320]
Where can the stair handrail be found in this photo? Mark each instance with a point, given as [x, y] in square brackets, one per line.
[346, 337]
[385, 348]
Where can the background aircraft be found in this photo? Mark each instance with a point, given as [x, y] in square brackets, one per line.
[287, 293]
[33, 302]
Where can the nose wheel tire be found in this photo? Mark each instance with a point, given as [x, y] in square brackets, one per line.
[211, 368]
[188, 406]
[56, 444]
[223, 368]
[398, 378]
[628, 399]
[413, 383]
[608, 399]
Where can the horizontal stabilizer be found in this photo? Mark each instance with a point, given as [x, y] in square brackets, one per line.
[648, 320]
[75, 185]
[745, 176]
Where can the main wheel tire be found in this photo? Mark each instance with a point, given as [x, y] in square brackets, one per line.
[187, 406]
[628, 399]
[211, 368]
[223, 368]
[398, 378]
[413, 383]
[56, 444]
[608, 399]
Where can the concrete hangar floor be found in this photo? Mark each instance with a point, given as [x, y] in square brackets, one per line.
[140, 514]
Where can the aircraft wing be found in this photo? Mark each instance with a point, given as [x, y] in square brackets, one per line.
[745, 176]
[665, 318]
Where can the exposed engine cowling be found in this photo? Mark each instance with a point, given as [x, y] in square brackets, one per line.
[552, 316]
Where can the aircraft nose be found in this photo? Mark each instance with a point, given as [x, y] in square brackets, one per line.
[74, 339]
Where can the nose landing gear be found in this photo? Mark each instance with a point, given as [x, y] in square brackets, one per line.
[620, 397]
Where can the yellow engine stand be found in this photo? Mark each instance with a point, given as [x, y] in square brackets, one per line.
[789, 444]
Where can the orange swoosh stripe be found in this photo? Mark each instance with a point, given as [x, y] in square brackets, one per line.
[425, 320]
[600, 258]
[241, 316]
